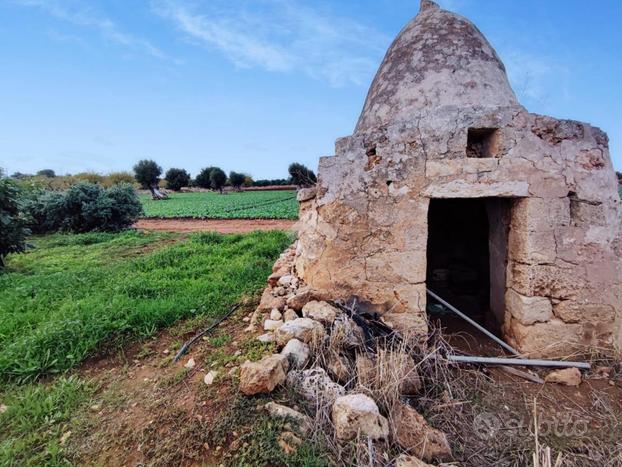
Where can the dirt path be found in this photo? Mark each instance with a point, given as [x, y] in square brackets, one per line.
[214, 225]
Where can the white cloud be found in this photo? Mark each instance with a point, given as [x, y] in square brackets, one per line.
[82, 14]
[282, 36]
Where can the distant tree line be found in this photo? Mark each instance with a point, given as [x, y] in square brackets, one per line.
[147, 174]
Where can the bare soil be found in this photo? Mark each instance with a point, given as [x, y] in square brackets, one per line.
[224, 226]
[150, 411]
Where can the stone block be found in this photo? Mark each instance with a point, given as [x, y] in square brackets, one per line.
[528, 310]
[546, 280]
[532, 246]
[552, 339]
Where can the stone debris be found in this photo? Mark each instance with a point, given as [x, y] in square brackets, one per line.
[3, 408]
[285, 281]
[276, 315]
[346, 334]
[320, 311]
[304, 329]
[410, 461]
[269, 302]
[412, 432]
[303, 422]
[314, 385]
[303, 296]
[289, 315]
[339, 368]
[210, 377]
[566, 376]
[272, 325]
[266, 338]
[305, 194]
[190, 364]
[356, 414]
[263, 376]
[297, 352]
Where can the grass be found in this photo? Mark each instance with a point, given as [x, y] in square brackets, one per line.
[35, 425]
[75, 294]
[207, 205]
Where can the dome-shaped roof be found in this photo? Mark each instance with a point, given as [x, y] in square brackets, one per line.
[438, 59]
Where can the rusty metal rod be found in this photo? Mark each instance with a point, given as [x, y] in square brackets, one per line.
[507, 347]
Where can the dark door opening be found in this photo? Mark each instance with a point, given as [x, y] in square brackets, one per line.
[466, 257]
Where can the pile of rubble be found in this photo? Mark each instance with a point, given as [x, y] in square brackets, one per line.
[324, 358]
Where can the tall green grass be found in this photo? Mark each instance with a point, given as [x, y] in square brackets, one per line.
[36, 418]
[74, 293]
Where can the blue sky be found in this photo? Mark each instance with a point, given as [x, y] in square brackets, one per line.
[254, 85]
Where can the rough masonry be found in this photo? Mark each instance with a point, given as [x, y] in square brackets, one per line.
[441, 122]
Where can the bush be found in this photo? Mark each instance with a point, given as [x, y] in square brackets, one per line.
[13, 229]
[177, 178]
[115, 178]
[45, 211]
[85, 207]
[301, 175]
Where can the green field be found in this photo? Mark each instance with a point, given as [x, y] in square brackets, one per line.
[208, 205]
[74, 293]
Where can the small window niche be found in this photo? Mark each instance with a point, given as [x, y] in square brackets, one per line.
[482, 142]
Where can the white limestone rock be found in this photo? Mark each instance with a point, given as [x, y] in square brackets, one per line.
[356, 414]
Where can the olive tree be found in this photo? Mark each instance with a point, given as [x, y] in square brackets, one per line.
[301, 175]
[147, 174]
[176, 179]
[218, 178]
[236, 179]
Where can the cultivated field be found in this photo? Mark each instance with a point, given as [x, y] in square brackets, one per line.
[237, 205]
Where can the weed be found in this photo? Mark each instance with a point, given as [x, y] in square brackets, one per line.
[219, 341]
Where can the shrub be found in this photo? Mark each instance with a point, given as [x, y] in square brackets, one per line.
[115, 178]
[13, 229]
[177, 178]
[301, 175]
[91, 177]
[84, 207]
[45, 211]
[217, 178]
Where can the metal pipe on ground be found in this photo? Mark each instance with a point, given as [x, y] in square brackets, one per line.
[506, 346]
[518, 361]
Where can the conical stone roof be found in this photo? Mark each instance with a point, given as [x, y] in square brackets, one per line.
[439, 59]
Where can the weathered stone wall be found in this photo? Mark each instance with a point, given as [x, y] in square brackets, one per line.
[366, 231]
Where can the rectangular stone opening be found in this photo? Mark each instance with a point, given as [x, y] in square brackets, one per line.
[467, 258]
[482, 142]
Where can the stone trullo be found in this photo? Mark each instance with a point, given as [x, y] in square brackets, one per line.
[449, 183]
